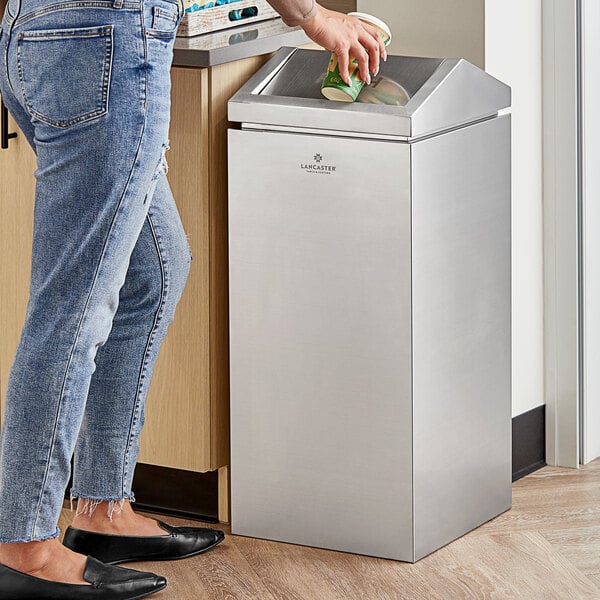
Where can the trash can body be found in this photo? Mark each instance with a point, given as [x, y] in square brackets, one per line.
[369, 304]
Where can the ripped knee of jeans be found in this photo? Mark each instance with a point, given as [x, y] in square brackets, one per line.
[163, 164]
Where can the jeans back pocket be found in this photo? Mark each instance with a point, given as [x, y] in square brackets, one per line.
[65, 74]
[166, 16]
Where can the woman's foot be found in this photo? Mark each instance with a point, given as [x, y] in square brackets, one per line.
[175, 543]
[124, 520]
[46, 559]
[129, 537]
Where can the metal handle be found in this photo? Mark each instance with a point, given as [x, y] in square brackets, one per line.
[4, 135]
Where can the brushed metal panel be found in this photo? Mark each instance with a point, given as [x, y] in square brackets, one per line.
[561, 237]
[444, 95]
[461, 331]
[456, 94]
[590, 243]
[320, 342]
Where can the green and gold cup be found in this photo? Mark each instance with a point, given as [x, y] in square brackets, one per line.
[334, 87]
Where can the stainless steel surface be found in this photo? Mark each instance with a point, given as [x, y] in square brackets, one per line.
[240, 42]
[461, 331]
[304, 72]
[322, 132]
[444, 94]
[320, 343]
[370, 324]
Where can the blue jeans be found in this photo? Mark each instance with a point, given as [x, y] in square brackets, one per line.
[88, 83]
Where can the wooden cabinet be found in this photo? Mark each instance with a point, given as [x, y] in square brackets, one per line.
[17, 190]
[187, 423]
[187, 417]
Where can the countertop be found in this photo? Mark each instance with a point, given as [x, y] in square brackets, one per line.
[235, 43]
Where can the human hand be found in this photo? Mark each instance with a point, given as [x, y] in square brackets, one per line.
[348, 37]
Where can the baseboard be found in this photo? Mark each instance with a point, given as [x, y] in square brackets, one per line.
[175, 492]
[528, 442]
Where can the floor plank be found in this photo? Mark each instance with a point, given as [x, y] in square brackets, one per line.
[596, 579]
[520, 565]
[294, 572]
[581, 545]
[552, 498]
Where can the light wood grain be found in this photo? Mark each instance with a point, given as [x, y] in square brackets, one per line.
[495, 563]
[224, 494]
[178, 425]
[17, 190]
[596, 579]
[581, 545]
[521, 565]
[545, 501]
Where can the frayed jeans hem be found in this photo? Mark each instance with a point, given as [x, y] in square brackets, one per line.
[90, 503]
[30, 539]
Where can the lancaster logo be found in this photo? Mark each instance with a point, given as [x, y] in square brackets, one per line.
[317, 166]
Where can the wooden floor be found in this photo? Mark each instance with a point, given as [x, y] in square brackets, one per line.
[546, 547]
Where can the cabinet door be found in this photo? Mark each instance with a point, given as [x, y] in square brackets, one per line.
[177, 427]
[17, 192]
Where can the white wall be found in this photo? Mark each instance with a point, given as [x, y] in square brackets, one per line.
[513, 53]
[450, 28]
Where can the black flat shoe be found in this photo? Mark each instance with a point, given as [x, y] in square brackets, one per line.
[178, 542]
[107, 583]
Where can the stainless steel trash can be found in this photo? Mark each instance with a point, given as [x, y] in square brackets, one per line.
[370, 306]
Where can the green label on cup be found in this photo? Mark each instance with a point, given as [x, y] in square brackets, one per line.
[335, 88]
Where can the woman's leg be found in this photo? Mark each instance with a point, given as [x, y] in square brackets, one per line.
[107, 447]
[96, 90]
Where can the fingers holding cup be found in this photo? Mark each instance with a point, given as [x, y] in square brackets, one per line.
[381, 28]
[343, 65]
[362, 56]
[370, 41]
[348, 69]
[378, 37]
